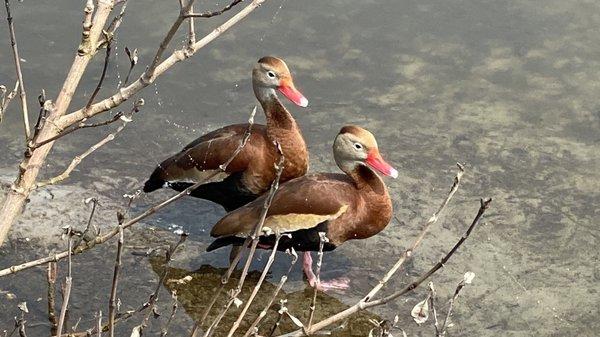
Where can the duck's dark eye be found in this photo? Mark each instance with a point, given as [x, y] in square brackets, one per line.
[271, 74]
[358, 146]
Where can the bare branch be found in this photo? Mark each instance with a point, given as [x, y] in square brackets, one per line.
[67, 286]
[77, 160]
[322, 240]
[51, 279]
[282, 281]
[255, 239]
[266, 269]
[149, 74]
[209, 14]
[15, 50]
[165, 329]
[154, 296]
[133, 59]
[103, 75]
[5, 99]
[465, 280]
[192, 30]
[144, 80]
[112, 303]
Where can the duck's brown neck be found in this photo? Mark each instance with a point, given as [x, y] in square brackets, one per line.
[278, 117]
[368, 181]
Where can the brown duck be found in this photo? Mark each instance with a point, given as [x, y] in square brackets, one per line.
[252, 170]
[354, 205]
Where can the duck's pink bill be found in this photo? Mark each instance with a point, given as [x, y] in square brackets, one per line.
[294, 95]
[375, 161]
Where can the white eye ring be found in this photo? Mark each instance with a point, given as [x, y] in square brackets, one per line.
[358, 146]
[271, 74]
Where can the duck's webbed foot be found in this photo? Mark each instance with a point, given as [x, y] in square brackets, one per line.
[341, 283]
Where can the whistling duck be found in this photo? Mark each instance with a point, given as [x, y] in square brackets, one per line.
[252, 170]
[355, 205]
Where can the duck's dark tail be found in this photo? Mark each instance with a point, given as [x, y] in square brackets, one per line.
[154, 182]
[225, 241]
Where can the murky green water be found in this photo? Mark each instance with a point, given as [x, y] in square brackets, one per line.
[510, 88]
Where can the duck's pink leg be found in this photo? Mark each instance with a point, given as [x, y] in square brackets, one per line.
[335, 284]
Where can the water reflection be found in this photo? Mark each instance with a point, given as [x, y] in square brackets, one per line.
[206, 280]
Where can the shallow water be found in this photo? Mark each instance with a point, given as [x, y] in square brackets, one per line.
[509, 88]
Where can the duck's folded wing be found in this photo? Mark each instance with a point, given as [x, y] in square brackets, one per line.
[301, 203]
[203, 157]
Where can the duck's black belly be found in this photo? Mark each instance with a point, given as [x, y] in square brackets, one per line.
[229, 193]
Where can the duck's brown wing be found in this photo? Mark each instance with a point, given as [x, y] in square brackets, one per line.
[202, 157]
[300, 203]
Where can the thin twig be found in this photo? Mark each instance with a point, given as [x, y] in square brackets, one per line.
[103, 75]
[433, 305]
[87, 235]
[266, 269]
[51, 278]
[282, 281]
[209, 14]
[133, 60]
[165, 329]
[281, 311]
[408, 253]
[255, 239]
[77, 160]
[98, 325]
[192, 30]
[154, 296]
[81, 125]
[466, 280]
[15, 50]
[484, 205]
[149, 73]
[322, 240]
[5, 99]
[112, 303]
[67, 286]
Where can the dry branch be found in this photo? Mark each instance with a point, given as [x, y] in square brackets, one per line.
[263, 313]
[112, 303]
[67, 285]
[322, 240]
[165, 330]
[266, 269]
[233, 294]
[51, 279]
[30, 165]
[15, 50]
[143, 81]
[209, 14]
[5, 99]
[77, 160]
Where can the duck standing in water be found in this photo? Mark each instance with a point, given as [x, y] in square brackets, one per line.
[253, 169]
[354, 205]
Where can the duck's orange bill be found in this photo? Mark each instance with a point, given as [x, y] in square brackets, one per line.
[289, 91]
[375, 161]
